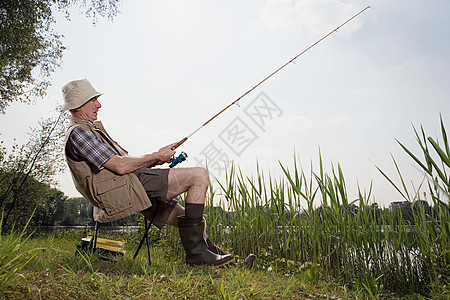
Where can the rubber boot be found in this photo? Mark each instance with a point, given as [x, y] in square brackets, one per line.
[249, 261]
[213, 248]
[197, 253]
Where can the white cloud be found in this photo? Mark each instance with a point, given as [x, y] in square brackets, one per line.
[294, 123]
[316, 17]
[340, 120]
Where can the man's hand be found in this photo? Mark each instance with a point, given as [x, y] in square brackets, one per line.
[165, 154]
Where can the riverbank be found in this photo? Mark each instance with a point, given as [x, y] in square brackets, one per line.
[50, 268]
[55, 271]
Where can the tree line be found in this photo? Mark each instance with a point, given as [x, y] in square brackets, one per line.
[405, 211]
[46, 206]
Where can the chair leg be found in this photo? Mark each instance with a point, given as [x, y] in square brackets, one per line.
[94, 239]
[145, 237]
[94, 243]
[147, 243]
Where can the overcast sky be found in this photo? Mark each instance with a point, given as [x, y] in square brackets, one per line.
[166, 67]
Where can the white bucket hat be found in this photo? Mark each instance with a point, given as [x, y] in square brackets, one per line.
[78, 92]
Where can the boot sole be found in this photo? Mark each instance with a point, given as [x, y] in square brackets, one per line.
[218, 266]
[225, 263]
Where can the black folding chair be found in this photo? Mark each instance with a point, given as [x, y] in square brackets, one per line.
[147, 225]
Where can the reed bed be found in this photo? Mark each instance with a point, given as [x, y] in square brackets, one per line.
[309, 219]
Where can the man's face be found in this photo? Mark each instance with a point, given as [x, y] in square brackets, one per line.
[89, 110]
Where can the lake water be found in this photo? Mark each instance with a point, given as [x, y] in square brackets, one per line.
[115, 229]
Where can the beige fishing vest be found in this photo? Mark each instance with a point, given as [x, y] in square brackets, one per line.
[113, 196]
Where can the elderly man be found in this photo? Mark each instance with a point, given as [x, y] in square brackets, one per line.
[119, 185]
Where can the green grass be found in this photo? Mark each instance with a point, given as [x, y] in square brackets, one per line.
[56, 272]
[13, 257]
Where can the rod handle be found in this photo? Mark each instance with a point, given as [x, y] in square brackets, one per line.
[179, 143]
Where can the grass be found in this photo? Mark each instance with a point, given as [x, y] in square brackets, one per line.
[58, 273]
[13, 258]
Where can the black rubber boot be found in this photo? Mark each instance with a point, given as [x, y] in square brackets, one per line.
[197, 253]
[213, 248]
[249, 261]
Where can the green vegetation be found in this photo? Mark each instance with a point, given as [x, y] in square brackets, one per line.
[30, 49]
[353, 242]
[27, 175]
[312, 240]
[13, 259]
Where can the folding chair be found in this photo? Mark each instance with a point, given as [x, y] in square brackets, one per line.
[144, 236]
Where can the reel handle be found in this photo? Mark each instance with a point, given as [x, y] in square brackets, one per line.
[176, 160]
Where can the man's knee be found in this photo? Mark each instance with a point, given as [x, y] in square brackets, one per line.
[202, 176]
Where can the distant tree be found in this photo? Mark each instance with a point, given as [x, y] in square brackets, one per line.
[30, 50]
[71, 212]
[58, 212]
[51, 209]
[130, 220]
[29, 169]
[18, 207]
[85, 208]
[407, 212]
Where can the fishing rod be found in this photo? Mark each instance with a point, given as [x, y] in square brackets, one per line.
[183, 155]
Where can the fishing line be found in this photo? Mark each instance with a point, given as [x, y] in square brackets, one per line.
[178, 144]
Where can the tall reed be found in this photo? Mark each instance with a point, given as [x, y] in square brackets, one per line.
[308, 217]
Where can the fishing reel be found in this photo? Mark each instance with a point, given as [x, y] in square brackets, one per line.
[179, 159]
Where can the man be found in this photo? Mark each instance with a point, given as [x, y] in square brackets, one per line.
[119, 185]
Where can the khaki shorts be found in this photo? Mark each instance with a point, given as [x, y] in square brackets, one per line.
[155, 183]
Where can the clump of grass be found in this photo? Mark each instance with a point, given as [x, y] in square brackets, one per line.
[13, 258]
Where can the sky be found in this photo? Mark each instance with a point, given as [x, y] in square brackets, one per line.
[165, 68]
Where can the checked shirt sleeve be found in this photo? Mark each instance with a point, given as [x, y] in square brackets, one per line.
[86, 146]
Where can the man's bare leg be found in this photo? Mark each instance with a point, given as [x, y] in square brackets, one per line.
[194, 181]
[176, 212]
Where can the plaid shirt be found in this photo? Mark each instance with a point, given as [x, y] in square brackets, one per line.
[83, 145]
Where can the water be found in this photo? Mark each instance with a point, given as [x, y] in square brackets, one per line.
[109, 229]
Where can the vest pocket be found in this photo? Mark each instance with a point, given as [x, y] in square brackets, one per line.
[114, 194]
